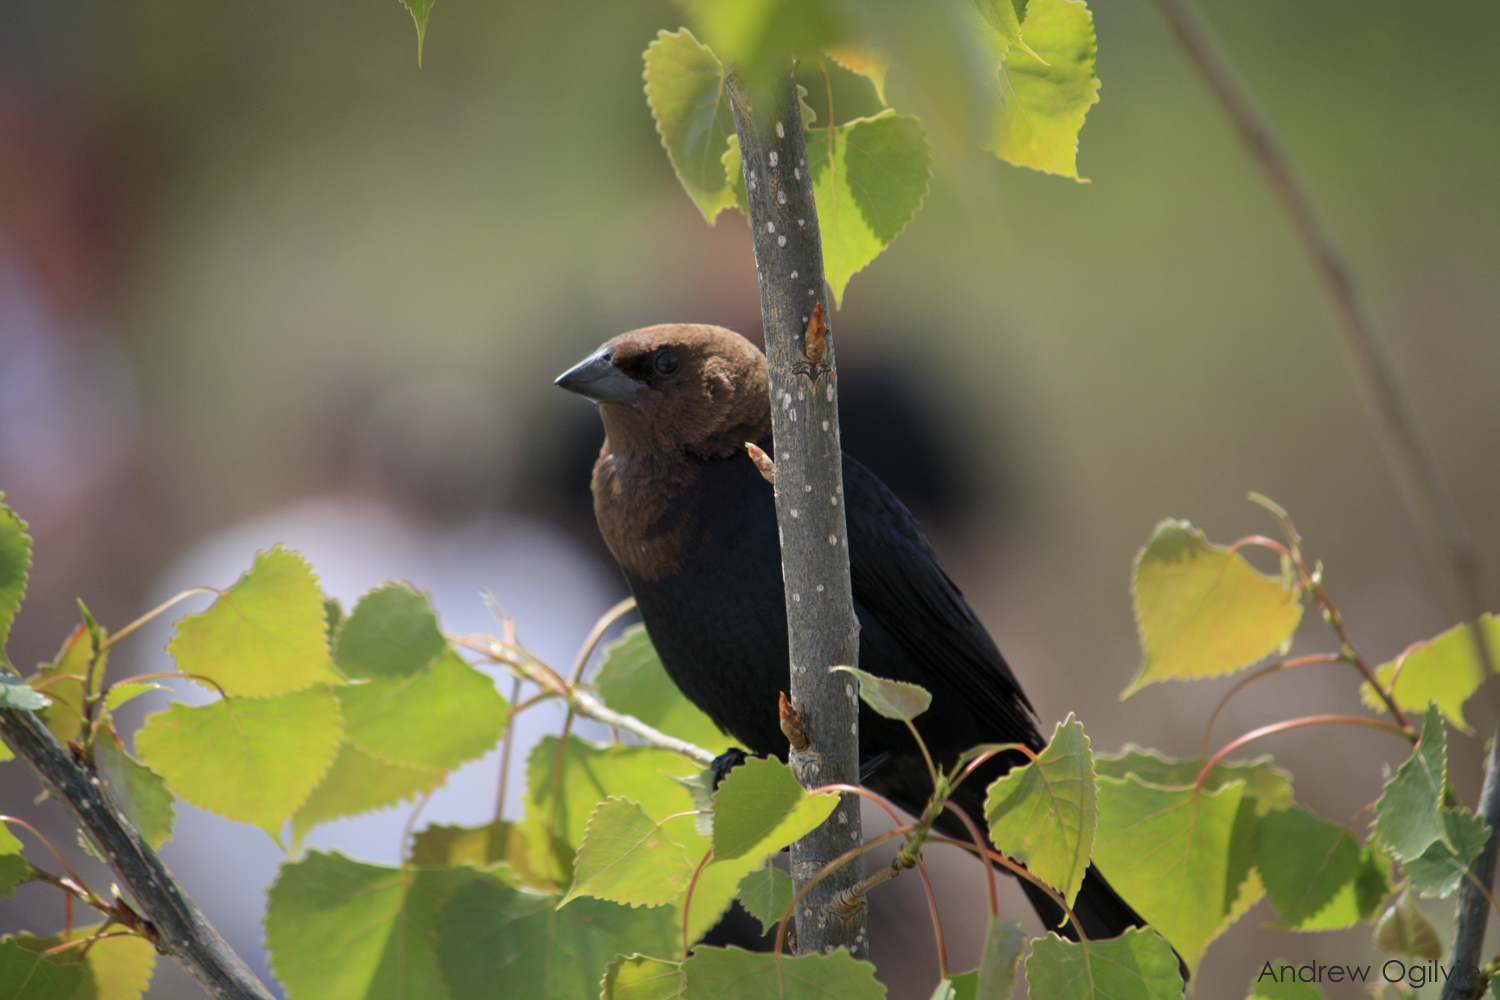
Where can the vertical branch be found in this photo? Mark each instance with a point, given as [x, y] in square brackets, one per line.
[821, 625]
[1416, 470]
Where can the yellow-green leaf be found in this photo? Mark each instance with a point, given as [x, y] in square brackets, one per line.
[626, 858]
[686, 89]
[1445, 669]
[358, 782]
[15, 561]
[264, 636]
[140, 792]
[632, 680]
[253, 761]
[1137, 964]
[1047, 87]
[759, 809]
[65, 715]
[1202, 610]
[1043, 814]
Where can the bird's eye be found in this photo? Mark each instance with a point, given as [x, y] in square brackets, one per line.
[666, 362]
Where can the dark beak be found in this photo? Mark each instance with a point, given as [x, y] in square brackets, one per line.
[596, 378]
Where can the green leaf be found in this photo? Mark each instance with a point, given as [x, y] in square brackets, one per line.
[1310, 867]
[392, 633]
[1403, 929]
[1277, 980]
[1003, 942]
[636, 977]
[1446, 669]
[419, 10]
[65, 715]
[358, 782]
[632, 680]
[1043, 814]
[339, 929]
[1201, 609]
[491, 933]
[892, 699]
[15, 561]
[1409, 814]
[585, 775]
[735, 974]
[140, 792]
[262, 637]
[869, 177]
[1047, 86]
[686, 89]
[14, 868]
[765, 894]
[121, 693]
[760, 808]
[16, 693]
[253, 761]
[435, 717]
[1137, 964]
[1182, 859]
[1441, 868]
[28, 976]
[626, 858]
[1269, 785]
[500, 842]
[114, 968]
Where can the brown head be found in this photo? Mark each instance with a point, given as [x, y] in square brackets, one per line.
[676, 389]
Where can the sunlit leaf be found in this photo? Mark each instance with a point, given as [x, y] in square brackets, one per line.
[501, 842]
[760, 808]
[685, 87]
[869, 177]
[491, 933]
[264, 636]
[1440, 869]
[358, 782]
[1180, 858]
[250, 760]
[626, 858]
[438, 716]
[1047, 86]
[892, 699]
[765, 894]
[1201, 609]
[15, 561]
[121, 693]
[1137, 964]
[1269, 785]
[760, 38]
[1043, 814]
[339, 929]
[1446, 669]
[637, 977]
[860, 58]
[735, 974]
[1409, 814]
[65, 715]
[391, 633]
[140, 792]
[114, 968]
[14, 869]
[632, 680]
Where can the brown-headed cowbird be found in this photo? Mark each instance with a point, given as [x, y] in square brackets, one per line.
[692, 524]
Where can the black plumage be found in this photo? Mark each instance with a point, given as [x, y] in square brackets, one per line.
[693, 526]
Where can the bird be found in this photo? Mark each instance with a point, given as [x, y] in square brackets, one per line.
[691, 521]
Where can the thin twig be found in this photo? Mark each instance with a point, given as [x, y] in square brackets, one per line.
[1281, 727]
[1266, 671]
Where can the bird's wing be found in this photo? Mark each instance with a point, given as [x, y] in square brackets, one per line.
[897, 578]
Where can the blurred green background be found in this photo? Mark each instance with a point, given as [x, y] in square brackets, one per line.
[265, 216]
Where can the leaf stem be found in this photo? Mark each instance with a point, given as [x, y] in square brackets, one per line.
[1281, 727]
[989, 870]
[143, 619]
[687, 899]
[1266, 671]
[596, 634]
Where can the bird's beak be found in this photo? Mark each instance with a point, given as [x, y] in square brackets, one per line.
[596, 378]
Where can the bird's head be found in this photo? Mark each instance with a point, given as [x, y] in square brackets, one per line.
[678, 387]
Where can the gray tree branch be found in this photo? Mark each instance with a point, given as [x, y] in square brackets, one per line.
[181, 929]
[809, 496]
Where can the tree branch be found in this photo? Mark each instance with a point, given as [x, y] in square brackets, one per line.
[822, 629]
[181, 929]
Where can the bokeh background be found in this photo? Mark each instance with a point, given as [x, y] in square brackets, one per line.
[263, 279]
